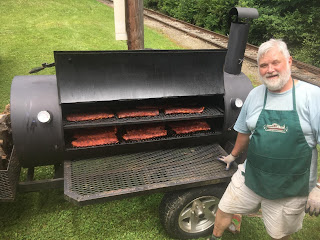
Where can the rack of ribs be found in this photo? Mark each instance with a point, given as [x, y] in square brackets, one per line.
[189, 126]
[138, 113]
[179, 110]
[77, 117]
[144, 132]
[95, 137]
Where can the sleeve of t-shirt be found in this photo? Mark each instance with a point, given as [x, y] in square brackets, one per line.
[314, 111]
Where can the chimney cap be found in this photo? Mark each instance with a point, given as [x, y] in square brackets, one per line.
[241, 12]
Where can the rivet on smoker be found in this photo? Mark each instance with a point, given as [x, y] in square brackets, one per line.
[44, 117]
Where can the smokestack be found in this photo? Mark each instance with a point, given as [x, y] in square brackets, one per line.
[238, 38]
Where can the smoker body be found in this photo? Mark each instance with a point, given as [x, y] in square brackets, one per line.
[117, 80]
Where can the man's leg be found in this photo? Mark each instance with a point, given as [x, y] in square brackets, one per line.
[222, 222]
[238, 198]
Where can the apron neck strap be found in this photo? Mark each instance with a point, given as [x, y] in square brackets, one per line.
[293, 96]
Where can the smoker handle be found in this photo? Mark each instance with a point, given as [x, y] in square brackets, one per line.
[37, 69]
[44, 65]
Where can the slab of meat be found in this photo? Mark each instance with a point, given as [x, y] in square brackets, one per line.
[77, 117]
[179, 110]
[82, 142]
[138, 113]
[95, 137]
[94, 132]
[189, 126]
[144, 132]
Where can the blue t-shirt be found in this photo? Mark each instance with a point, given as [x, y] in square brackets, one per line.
[308, 108]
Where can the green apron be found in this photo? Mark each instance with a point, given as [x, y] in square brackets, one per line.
[279, 157]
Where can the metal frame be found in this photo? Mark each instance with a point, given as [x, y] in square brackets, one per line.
[97, 180]
[9, 178]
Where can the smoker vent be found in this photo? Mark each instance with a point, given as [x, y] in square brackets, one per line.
[209, 112]
[89, 181]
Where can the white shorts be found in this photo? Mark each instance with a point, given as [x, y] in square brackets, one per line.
[281, 217]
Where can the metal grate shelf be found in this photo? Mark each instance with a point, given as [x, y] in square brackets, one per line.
[169, 137]
[209, 112]
[92, 180]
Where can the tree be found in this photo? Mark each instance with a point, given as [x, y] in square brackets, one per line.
[294, 21]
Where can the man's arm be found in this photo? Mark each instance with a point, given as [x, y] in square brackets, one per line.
[241, 145]
[313, 203]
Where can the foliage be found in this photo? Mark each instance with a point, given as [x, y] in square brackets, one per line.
[214, 14]
[294, 21]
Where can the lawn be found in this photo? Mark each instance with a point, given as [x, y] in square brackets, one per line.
[30, 30]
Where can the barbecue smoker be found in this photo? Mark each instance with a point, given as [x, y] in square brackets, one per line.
[122, 123]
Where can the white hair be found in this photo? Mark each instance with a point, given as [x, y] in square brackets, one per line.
[266, 46]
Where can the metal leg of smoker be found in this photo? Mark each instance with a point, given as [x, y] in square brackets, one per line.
[30, 174]
[58, 170]
[31, 185]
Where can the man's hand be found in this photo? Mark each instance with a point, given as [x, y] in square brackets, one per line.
[227, 159]
[313, 203]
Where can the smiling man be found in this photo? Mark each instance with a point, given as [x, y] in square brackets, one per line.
[279, 125]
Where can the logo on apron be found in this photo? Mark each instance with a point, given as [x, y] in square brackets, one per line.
[274, 127]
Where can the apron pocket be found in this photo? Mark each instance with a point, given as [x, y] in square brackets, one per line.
[275, 186]
[297, 165]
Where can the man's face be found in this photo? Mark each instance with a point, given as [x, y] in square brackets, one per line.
[274, 69]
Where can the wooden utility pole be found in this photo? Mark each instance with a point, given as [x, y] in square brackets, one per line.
[134, 24]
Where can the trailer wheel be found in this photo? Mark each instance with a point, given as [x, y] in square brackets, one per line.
[191, 213]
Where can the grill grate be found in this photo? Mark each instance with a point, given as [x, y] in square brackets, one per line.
[9, 178]
[209, 112]
[88, 180]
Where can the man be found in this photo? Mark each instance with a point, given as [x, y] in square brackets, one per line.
[279, 125]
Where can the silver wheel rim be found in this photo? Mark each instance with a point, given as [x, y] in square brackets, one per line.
[199, 214]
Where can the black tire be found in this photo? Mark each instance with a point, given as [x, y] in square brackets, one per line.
[191, 213]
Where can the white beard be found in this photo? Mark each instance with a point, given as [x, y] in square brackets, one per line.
[278, 83]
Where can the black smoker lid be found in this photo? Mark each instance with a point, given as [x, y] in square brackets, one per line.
[89, 76]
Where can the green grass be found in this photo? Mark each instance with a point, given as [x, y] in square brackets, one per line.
[30, 30]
